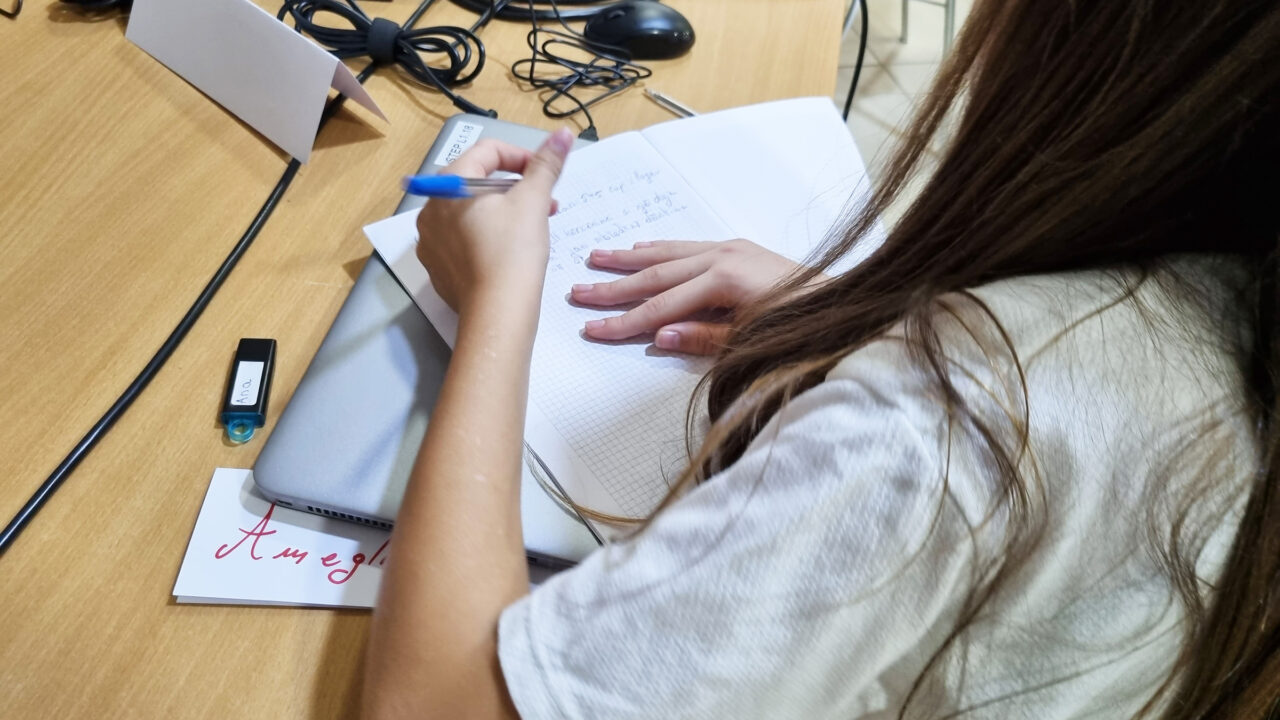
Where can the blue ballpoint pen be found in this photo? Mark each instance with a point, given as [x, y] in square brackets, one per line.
[453, 186]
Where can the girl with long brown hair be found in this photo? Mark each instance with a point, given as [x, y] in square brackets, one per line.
[1023, 461]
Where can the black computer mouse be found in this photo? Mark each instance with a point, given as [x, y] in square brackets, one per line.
[647, 29]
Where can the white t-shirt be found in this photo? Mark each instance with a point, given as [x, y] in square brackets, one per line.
[818, 575]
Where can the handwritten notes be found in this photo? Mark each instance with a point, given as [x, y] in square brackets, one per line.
[635, 201]
[247, 550]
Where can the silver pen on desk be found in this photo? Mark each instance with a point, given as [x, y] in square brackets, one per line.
[670, 103]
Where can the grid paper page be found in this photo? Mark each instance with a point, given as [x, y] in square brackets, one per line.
[619, 406]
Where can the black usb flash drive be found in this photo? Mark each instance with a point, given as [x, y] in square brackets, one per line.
[248, 387]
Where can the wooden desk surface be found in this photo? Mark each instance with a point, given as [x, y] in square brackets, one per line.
[121, 190]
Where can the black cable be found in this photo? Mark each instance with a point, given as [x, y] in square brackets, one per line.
[609, 68]
[387, 43]
[140, 383]
[148, 373]
[857, 68]
[516, 11]
[100, 4]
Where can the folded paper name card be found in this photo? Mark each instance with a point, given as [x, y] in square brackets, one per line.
[249, 62]
[246, 550]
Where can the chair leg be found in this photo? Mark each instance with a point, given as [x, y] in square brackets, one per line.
[903, 37]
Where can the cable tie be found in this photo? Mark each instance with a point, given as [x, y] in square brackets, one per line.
[384, 37]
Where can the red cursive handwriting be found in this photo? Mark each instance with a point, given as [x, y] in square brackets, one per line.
[381, 547]
[290, 554]
[258, 531]
[340, 576]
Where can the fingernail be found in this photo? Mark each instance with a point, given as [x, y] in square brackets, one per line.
[561, 140]
[595, 324]
[643, 244]
[602, 254]
[582, 288]
[668, 340]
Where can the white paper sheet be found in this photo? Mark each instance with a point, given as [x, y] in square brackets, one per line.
[253, 65]
[781, 173]
[247, 550]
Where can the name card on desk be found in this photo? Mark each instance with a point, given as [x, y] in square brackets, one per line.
[249, 62]
[246, 550]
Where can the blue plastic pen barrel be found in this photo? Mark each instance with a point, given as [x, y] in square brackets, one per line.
[248, 387]
[445, 186]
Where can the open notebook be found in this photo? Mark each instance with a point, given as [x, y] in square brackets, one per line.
[608, 420]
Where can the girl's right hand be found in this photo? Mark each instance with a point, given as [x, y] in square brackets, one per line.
[676, 280]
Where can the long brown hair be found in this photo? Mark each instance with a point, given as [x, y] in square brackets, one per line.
[1087, 134]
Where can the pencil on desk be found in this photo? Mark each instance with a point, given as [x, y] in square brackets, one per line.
[670, 103]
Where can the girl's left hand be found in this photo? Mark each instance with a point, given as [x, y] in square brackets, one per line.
[673, 282]
[494, 246]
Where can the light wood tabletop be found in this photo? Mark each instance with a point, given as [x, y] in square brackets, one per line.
[122, 188]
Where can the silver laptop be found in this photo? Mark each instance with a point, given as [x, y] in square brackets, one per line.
[346, 442]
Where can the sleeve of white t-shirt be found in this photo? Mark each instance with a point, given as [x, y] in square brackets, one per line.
[810, 579]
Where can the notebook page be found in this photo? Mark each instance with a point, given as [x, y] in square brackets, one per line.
[781, 173]
[619, 406]
[607, 418]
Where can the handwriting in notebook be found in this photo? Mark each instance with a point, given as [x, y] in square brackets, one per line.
[622, 407]
[595, 217]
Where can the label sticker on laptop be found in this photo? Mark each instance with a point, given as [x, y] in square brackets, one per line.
[463, 136]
